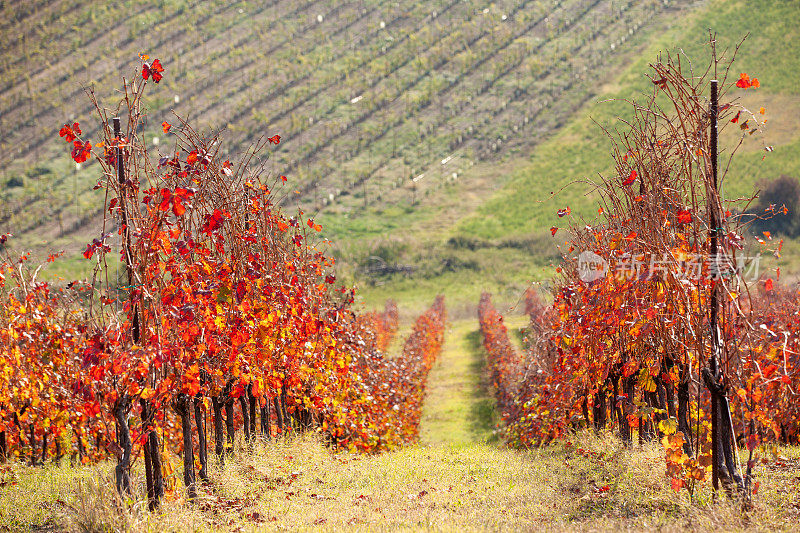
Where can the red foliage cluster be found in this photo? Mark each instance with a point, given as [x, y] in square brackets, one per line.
[770, 377]
[228, 300]
[386, 410]
[522, 381]
[505, 365]
[44, 365]
[378, 329]
[653, 327]
[81, 151]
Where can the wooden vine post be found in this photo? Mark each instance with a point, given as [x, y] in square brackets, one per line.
[723, 464]
[123, 404]
[714, 225]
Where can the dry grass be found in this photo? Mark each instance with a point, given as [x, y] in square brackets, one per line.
[300, 485]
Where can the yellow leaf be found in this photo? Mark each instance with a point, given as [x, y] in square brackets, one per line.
[668, 426]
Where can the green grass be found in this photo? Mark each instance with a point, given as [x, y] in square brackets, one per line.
[298, 484]
[459, 408]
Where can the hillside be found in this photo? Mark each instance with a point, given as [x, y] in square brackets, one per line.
[424, 134]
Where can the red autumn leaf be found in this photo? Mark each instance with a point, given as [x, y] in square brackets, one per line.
[755, 486]
[70, 132]
[175, 200]
[191, 159]
[165, 126]
[676, 484]
[227, 168]
[736, 118]
[283, 178]
[632, 235]
[213, 222]
[275, 139]
[684, 216]
[563, 212]
[153, 69]
[241, 290]
[768, 285]
[744, 81]
[329, 279]
[177, 206]
[81, 152]
[553, 230]
[752, 442]
[786, 380]
[166, 200]
[769, 370]
[89, 252]
[631, 178]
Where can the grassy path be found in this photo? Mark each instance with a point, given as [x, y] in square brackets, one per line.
[459, 408]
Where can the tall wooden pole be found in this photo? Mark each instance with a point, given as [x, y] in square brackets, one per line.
[123, 403]
[714, 319]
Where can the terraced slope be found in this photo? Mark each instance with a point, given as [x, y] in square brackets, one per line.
[384, 107]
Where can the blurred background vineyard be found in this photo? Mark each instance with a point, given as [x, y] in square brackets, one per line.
[426, 137]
